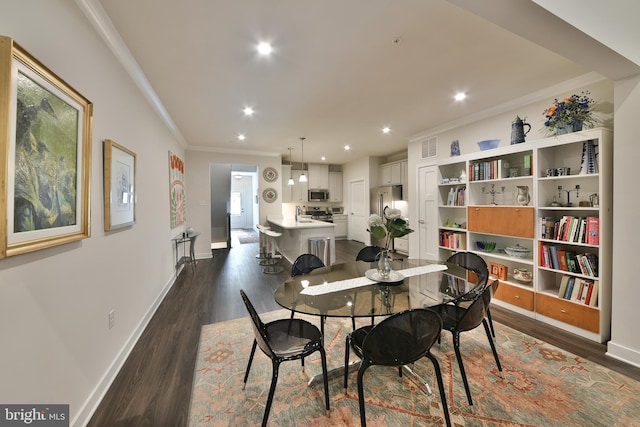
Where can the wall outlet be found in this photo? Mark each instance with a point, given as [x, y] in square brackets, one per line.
[112, 319]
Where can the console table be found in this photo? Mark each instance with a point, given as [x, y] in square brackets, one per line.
[189, 257]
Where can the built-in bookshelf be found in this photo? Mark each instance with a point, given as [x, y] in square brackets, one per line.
[535, 199]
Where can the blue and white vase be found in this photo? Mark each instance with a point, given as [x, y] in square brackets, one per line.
[589, 163]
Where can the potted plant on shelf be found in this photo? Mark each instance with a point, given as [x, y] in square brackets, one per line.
[388, 227]
[571, 114]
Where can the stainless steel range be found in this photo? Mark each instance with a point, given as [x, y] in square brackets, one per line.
[319, 213]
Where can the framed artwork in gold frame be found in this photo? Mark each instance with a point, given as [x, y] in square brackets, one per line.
[45, 155]
[119, 186]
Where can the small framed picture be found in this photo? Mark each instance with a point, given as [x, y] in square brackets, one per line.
[494, 269]
[503, 272]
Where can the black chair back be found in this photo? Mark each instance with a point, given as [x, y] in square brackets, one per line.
[259, 329]
[475, 313]
[403, 338]
[369, 254]
[475, 263]
[305, 264]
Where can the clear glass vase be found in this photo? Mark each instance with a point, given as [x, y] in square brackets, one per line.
[384, 264]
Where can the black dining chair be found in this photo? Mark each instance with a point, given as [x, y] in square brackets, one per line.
[283, 340]
[369, 254]
[305, 264]
[457, 319]
[398, 340]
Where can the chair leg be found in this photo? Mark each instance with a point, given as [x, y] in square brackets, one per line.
[246, 373]
[272, 389]
[443, 396]
[323, 356]
[353, 323]
[493, 346]
[493, 332]
[456, 347]
[347, 351]
[363, 417]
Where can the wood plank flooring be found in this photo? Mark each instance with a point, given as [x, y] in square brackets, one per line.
[153, 387]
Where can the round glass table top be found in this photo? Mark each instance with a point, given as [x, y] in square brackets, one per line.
[379, 299]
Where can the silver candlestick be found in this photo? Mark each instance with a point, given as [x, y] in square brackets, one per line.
[493, 193]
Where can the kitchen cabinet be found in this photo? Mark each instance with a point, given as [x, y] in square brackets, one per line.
[391, 174]
[335, 186]
[318, 176]
[300, 190]
[340, 222]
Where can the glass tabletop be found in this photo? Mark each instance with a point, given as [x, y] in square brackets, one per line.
[380, 299]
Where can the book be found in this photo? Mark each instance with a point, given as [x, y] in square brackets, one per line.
[585, 290]
[589, 293]
[582, 231]
[593, 302]
[546, 257]
[576, 290]
[593, 230]
[554, 257]
[562, 260]
[572, 263]
[563, 286]
[593, 263]
[569, 290]
[582, 269]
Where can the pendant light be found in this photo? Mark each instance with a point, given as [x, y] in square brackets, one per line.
[290, 182]
[303, 177]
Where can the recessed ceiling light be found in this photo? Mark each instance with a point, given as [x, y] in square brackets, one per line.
[386, 129]
[347, 147]
[323, 158]
[248, 111]
[264, 48]
[460, 96]
[241, 137]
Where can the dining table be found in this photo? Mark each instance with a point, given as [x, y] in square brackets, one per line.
[355, 289]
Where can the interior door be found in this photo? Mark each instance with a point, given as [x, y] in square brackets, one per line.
[241, 206]
[428, 212]
[359, 212]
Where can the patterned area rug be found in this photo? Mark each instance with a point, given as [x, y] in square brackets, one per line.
[540, 385]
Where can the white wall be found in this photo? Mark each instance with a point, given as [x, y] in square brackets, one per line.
[625, 340]
[198, 190]
[57, 347]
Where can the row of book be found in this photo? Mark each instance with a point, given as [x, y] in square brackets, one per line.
[456, 196]
[579, 290]
[453, 240]
[559, 258]
[497, 169]
[572, 229]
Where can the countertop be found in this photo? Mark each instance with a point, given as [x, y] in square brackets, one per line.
[290, 223]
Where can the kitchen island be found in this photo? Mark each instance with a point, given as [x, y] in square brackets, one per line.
[296, 234]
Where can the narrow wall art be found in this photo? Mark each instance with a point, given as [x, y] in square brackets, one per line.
[119, 186]
[177, 199]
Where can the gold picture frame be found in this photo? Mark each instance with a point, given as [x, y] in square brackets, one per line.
[119, 186]
[45, 155]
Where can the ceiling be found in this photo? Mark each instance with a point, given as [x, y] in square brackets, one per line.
[340, 71]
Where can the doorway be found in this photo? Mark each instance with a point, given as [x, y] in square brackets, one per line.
[234, 203]
[359, 213]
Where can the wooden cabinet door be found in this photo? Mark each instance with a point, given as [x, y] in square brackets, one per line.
[508, 221]
[582, 316]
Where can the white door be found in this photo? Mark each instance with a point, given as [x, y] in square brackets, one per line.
[428, 212]
[359, 212]
[241, 206]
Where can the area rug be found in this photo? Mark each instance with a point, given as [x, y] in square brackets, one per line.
[247, 235]
[540, 385]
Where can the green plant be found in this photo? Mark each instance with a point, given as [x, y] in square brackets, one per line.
[574, 111]
[390, 226]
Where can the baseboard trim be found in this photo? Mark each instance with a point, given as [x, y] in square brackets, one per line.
[623, 354]
[93, 401]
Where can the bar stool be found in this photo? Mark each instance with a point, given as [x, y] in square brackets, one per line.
[273, 257]
[262, 255]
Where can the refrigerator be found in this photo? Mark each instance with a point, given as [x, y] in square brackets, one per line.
[381, 197]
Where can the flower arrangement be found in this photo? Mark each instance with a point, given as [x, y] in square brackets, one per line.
[389, 226]
[572, 112]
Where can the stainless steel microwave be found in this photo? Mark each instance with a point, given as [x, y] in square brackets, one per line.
[318, 195]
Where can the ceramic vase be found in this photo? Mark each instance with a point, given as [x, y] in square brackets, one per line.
[589, 164]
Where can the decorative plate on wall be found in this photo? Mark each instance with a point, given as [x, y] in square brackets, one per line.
[270, 195]
[270, 174]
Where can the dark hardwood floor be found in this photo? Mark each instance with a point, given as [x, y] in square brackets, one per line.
[153, 387]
